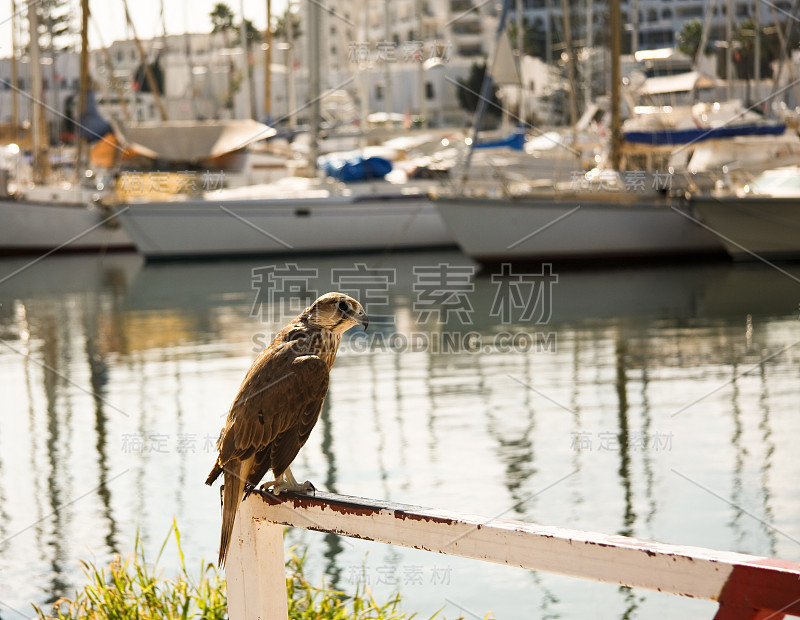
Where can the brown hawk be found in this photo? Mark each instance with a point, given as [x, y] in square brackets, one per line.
[278, 404]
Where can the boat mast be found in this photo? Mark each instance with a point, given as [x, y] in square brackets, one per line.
[589, 42]
[363, 73]
[548, 36]
[38, 132]
[268, 65]
[314, 91]
[757, 53]
[706, 29]
[423, 102]
[290, 85]
[521, 114]
[486, 91]
[573, 105]
[615, 29]
[247, 74]
[14, 76]
[387, 67]
[151, 80]
[573, 92]
[123, 99]
[84, 86]
[729, 48]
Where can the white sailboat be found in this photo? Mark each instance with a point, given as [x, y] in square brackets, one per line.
[761, 221]
[597, 216]
[44, 217]
[563, 225]
[55, 219]
[295, 215]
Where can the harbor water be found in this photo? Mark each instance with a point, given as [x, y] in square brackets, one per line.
[659, 401]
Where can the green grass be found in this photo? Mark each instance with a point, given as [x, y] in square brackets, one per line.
[308, 602]
[128, 589]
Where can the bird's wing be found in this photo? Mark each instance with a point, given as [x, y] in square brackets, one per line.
[279, 392]
[288, 443]
[280, 453]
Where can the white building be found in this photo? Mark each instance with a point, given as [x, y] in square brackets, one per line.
[60, 82]
[658, 23]
[403, 56]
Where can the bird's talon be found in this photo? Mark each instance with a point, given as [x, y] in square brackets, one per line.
[280, 487]
[305, 488]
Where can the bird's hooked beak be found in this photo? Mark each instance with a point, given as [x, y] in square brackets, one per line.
[360, 317]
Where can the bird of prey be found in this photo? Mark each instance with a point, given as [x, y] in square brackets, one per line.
[278, 403]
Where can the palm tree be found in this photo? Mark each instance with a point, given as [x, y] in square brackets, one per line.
[280, 26]
[221, 18]
[689, 38]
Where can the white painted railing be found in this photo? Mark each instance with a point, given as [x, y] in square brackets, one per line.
[747, 587]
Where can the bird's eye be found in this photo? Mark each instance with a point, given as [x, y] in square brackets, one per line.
[343, 306]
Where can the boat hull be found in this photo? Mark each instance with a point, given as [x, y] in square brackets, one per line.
[753, 227]
[197, 229]
[36, 227]
[573, 227]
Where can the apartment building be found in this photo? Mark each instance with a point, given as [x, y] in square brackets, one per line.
[649, 24]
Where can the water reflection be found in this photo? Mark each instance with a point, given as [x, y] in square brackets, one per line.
[332, 541]
[55, 444]
[766, 464]
[98, 378]
[624, 440]
[117, 376]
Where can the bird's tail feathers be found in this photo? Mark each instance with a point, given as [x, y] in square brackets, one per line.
[214, 474]
[232, 495]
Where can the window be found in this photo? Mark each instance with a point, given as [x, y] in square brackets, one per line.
[429, 92]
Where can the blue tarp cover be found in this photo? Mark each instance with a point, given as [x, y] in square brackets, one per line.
[92, 125]
[357, 168]
[515, 141]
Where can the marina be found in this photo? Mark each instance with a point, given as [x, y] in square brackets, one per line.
[568, 237]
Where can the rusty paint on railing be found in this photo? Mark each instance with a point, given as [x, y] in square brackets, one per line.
[747, 587]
